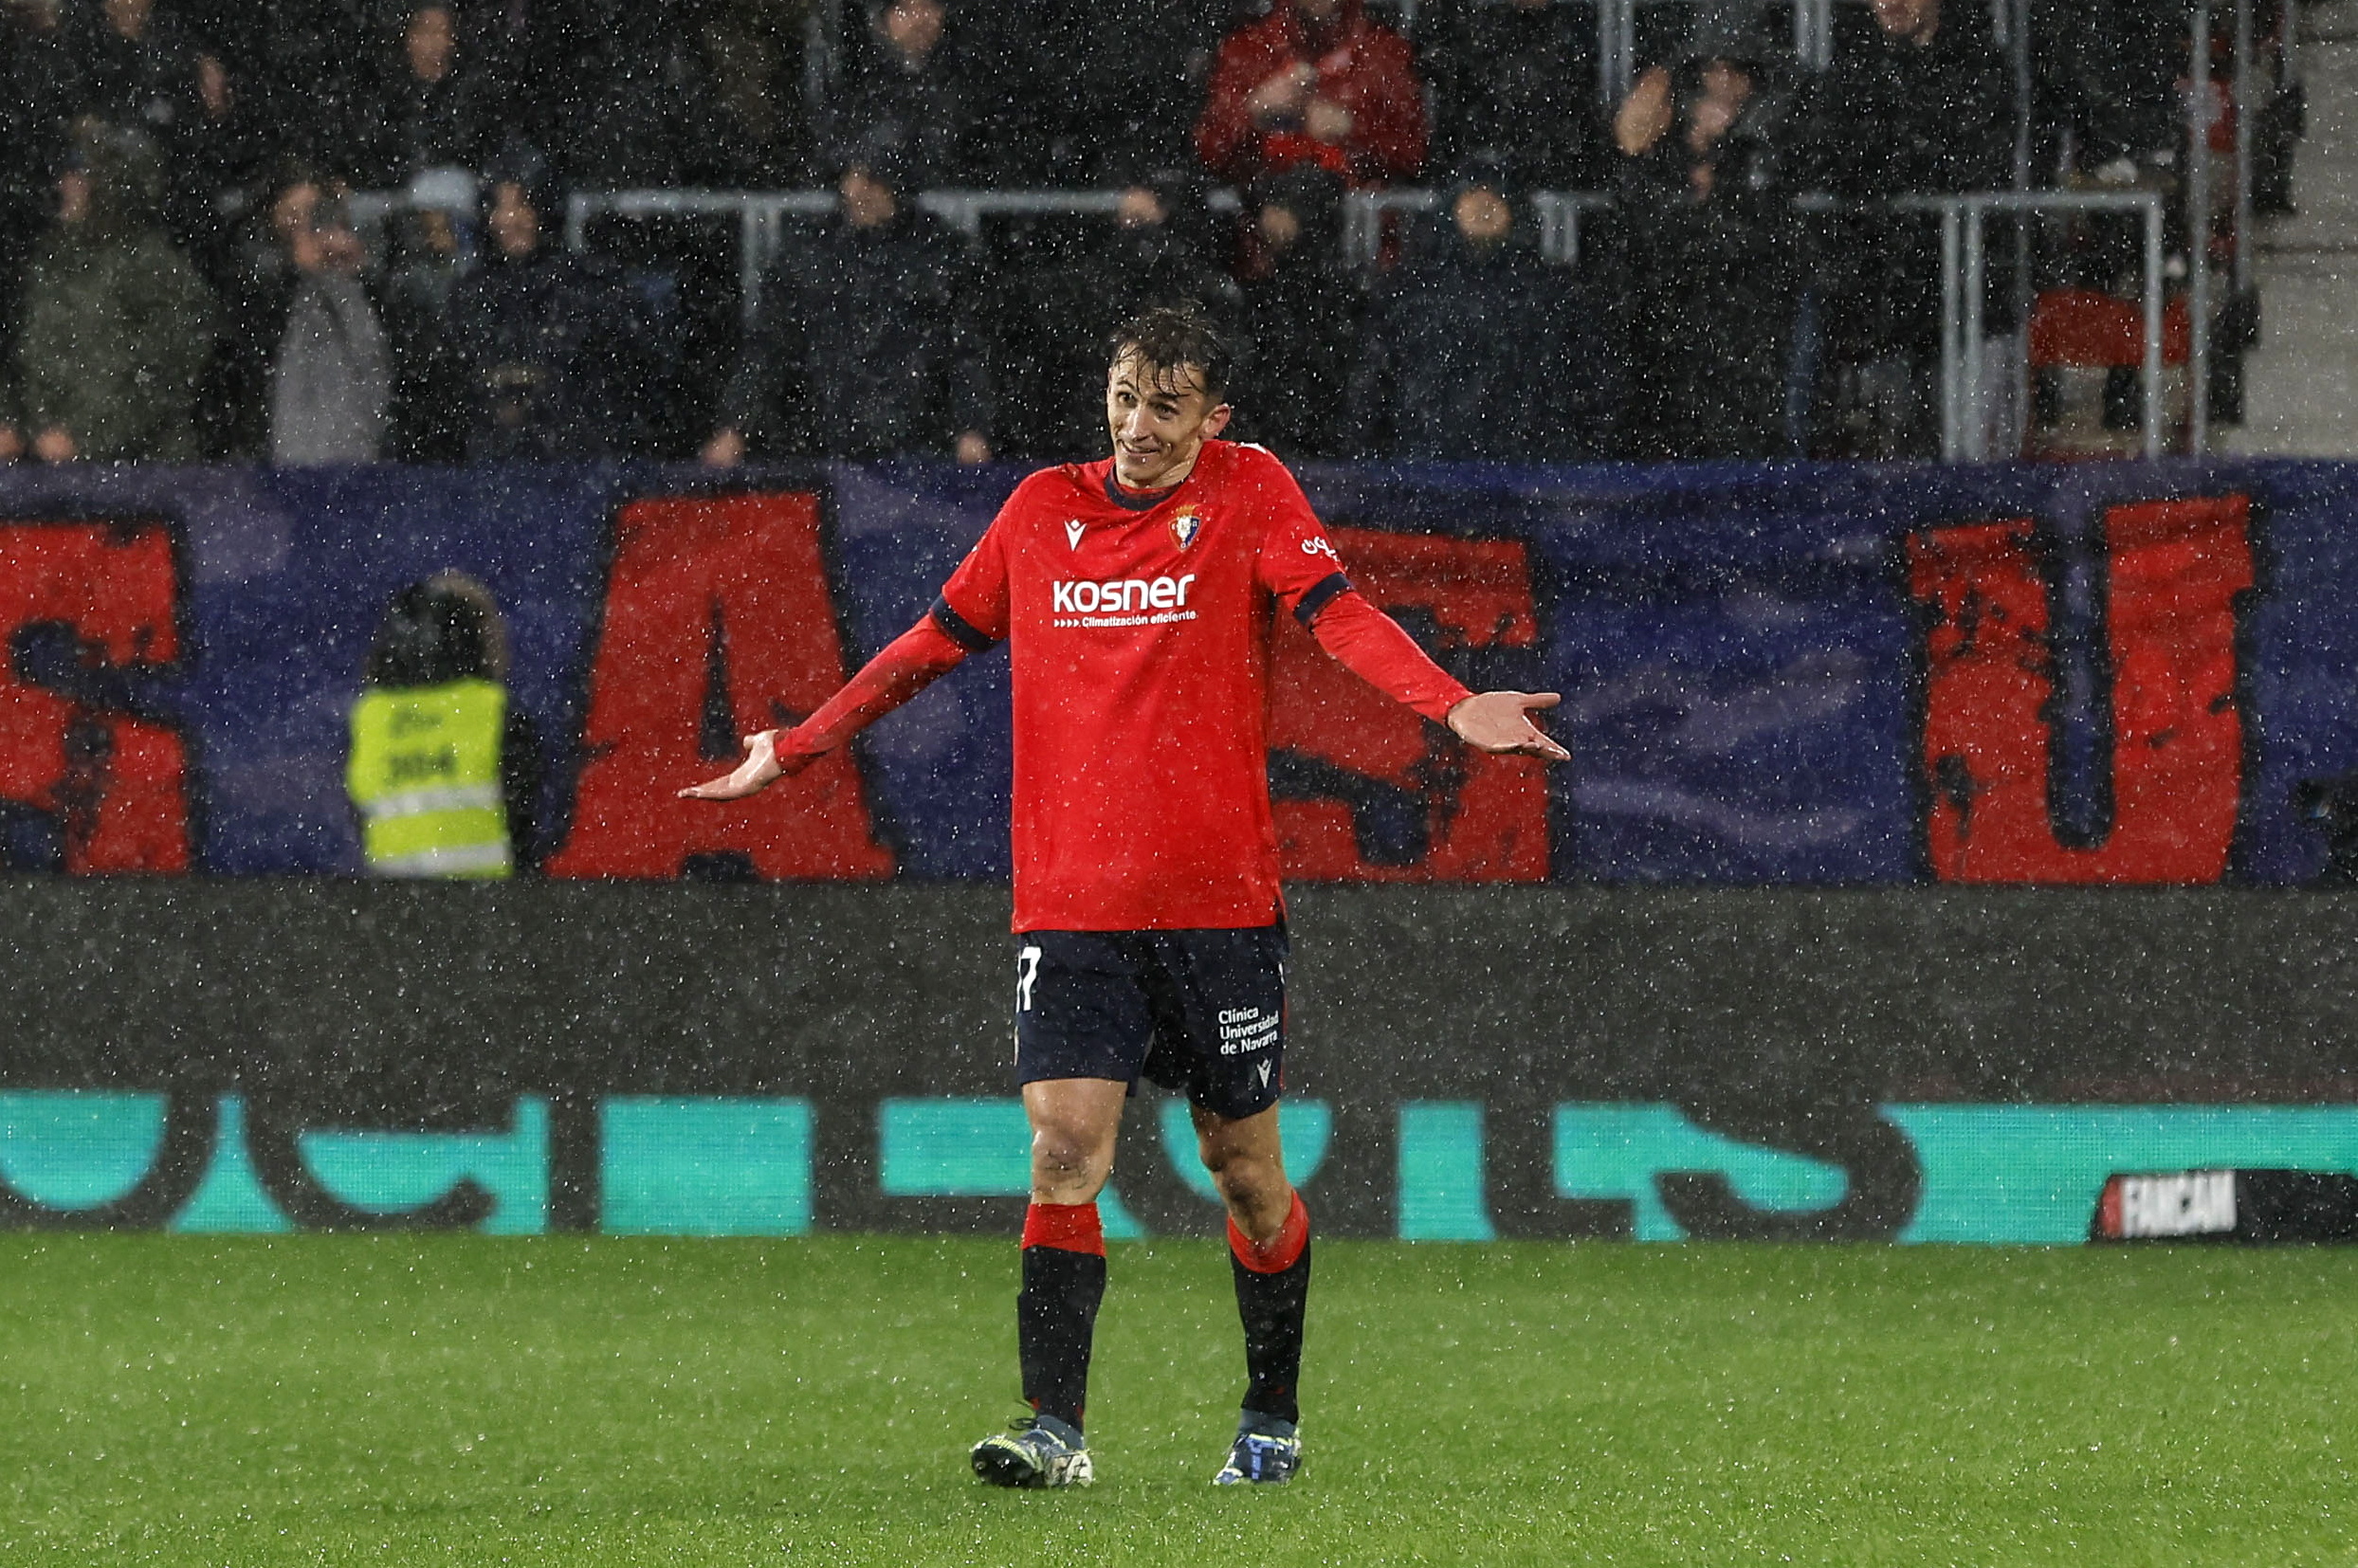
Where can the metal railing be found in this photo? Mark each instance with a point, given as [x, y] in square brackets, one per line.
[1558, 214]
[761, 216]
[1965, 276]
[1616, 41]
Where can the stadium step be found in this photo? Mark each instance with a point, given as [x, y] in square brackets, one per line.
[2302, 380]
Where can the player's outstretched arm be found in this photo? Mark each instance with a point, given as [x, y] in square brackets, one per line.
[911, 662]
[1373, 645]
[1501, 721]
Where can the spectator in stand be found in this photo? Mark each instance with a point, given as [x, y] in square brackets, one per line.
[866, 344]
[542, 332]
[138, 70]
[313, 71]
[12, 445]
[1301, 314]
[754, 56]
[2107, 73]
[1075, 101]
[1314, 81]
[219, 161]
[331, 378]
[423, 261]
[1519, 78]
[40, 85]
[437, 110]
[1710, 264]
[907, 93]
[1059, 315]
[1925, 107]
[625, 91]
[253, 292]
[1476, 347]
[220, 179]
[116, 325]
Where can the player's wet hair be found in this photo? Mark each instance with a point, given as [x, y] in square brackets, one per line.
[1169, 339]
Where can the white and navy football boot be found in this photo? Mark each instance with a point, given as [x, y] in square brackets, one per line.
[1038, 1451]
[1266, 1452]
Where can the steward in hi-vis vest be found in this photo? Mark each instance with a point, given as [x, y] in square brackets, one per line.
[444, 768]
[425, 775]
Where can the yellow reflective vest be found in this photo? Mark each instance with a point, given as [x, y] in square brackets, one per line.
[425, 774]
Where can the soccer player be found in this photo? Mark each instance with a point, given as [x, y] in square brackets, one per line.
[1134, 595]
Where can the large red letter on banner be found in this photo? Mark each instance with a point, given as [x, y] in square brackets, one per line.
[718, 623]
[115, 784]
[1483, 818]
[2177, 737]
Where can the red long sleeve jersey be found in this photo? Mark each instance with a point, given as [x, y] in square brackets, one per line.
[1137, 626]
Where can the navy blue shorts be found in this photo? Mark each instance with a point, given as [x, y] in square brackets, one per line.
[1202, 1012]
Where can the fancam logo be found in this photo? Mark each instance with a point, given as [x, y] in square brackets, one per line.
[1123, 601]
[2177, 1203]
[1185, 527]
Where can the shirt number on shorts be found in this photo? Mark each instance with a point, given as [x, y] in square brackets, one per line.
[1027, 971]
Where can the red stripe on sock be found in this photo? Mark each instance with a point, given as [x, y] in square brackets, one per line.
[1283, 1251]
[1067, 1226]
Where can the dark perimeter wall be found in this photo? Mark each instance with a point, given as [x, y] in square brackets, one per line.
[1790, 1019]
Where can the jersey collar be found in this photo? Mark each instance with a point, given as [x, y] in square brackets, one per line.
[1138, 501]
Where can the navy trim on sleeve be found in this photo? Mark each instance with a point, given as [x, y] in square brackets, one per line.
[1326, 590]
[958, 629]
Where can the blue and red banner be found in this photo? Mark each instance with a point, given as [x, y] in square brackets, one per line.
[2096, 673]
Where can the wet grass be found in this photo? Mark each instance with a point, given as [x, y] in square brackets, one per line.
[457, 1401]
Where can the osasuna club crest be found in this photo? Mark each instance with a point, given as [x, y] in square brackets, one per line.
[1185, 527]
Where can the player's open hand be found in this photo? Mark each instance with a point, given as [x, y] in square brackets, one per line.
[756, 774]
[1501, 721]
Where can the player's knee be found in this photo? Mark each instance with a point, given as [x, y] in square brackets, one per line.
[1247, 1182]
[1068, 1164]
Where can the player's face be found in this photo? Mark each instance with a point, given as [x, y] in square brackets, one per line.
[1159, 418]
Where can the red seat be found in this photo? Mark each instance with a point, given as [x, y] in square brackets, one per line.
[2080, 326]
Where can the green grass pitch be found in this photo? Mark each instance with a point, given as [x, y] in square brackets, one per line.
[460, 1400]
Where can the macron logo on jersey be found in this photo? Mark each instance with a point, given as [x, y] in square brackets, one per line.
[1123, 601]
[1075, 528]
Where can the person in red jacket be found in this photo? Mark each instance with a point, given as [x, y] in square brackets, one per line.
[1314, 81]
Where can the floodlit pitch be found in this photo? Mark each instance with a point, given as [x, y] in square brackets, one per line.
[465, 1401]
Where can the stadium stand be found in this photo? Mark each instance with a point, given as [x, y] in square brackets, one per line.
[1903, 181]
[2301, 380]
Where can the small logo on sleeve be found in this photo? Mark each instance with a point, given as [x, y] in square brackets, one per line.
[1185, 527]
[1317, 545]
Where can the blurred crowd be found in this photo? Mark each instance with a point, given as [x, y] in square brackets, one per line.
[198, 258]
